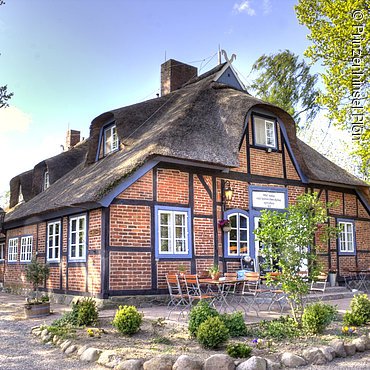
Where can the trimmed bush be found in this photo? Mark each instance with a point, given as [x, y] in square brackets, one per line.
[360, 311]
[199, 314]
[238, 350]
[317, 316]
[281, 328]
[235, 323]
[212, 332]
[86, 312]
[127, 320]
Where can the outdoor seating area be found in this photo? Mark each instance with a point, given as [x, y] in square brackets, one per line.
[246, 291]
[357, 279]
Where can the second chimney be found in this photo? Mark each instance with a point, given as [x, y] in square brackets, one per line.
[72, 138]
[175, 74]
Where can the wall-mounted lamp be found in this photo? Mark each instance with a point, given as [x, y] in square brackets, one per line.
[268, 150]
[228, 191]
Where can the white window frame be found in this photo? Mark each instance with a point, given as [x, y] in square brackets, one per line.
[26, 248]
[54, 244]
[172, 232]
[2, 252]
[238, 232]
[83, 231]
[46, 180]
[112, 141]
[346, 237]
[269, 129]
[13, 250]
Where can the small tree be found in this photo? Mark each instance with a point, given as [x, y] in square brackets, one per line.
[289, 242]
[36, 274]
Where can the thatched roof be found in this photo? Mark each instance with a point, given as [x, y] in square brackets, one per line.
[202, 122]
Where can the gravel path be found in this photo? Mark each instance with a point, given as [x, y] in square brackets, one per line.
[21, 351]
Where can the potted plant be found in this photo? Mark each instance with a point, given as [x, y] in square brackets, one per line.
[214, 272]
[332, 277]
[225, 225]
[36, 274]
[182, 269]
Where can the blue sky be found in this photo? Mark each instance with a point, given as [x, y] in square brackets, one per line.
[68, 61]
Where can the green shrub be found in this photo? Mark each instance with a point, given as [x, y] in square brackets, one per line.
[86, 312]
[360, 311]
[68, 318]
[212, 332]
[281, 328]
[127, 320]
[317, 316]
[235, 323]
[238, 350]
[198, 314]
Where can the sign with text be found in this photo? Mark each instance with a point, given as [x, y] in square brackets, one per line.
[268, 199]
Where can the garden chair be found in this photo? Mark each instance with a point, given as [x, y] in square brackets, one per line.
[350, 279]
[278, 296]
[194, 291]
[177, 296]
[319, 284]
[250, 291]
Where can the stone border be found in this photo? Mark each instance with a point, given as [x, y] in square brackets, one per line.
[110, 359]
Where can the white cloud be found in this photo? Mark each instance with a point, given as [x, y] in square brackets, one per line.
[267, 7]
[13, 119]
[244, 7]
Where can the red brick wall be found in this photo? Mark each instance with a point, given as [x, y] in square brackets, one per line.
[130, 225]
[242, 157]
[203, 203]
[266, 164]
[172, 186]
[130, 270]
[141, 189]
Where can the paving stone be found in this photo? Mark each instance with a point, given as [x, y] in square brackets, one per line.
[314, 356]
[163, 362]
[90, 355]
[271, 365]
[130, 365]
[65, 345]
[219, 362]
[350, 349]
[82, 349]
[185, 362]
[253, 363]
[290, 359]
[46, 338]
[71, 349]
[338, 346]
[109, 359]
[328, 352]
[360, 343]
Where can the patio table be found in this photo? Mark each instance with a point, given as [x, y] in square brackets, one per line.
[362, 278]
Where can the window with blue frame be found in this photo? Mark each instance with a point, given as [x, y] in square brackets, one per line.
[173, 236]
[237, 239]
[264, 131]
[346, 238]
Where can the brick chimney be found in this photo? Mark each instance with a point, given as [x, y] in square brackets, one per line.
[174, 74]
[72, 138]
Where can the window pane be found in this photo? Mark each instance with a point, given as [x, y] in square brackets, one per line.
[56, 252]
[164, 245]
[57, 226]
[233, 234]
[233, 221]
[180, 231]
[259, 131]
[233, 248]
[243, 247]
[243, 222]
[73, 238]
[243, 235]
[180, 246]
[165, 219]
[56, 240]
[179, 220]
[81, 223]
[80, 250]
[73, 225]
[164, 232]
[73, 251]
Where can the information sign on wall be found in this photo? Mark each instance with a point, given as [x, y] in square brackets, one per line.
[268, 199]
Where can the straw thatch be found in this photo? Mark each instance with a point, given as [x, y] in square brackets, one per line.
[202, 122]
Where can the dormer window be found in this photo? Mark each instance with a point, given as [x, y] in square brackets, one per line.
[20, 195]
[264, 131]
[46, 180]
[110, 139]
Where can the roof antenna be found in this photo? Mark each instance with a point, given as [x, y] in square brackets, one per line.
[219, 54]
